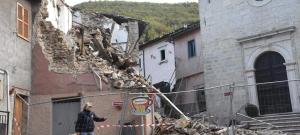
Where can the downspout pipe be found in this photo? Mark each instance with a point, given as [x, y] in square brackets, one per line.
[7, 86]
[2, 71]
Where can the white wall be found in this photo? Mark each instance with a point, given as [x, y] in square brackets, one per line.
[119, 34]
[59, 15]
[159, 71]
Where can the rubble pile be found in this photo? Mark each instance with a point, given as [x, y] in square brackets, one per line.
[198, 127]
[86, 48]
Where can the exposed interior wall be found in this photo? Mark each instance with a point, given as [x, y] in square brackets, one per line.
[59, 15]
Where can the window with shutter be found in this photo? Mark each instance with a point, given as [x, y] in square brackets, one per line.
[22, 22]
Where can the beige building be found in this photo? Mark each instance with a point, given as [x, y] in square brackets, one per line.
[189, 69]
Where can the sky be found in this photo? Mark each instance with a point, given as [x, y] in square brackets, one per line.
[74, 2]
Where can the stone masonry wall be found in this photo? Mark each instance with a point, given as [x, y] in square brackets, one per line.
[222, 23]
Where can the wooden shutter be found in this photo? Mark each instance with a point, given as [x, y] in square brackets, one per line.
[26, 27]
[22, 22]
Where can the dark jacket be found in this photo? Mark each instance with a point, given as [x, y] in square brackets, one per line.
[85, 121]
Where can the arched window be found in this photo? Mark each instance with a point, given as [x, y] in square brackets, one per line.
[274, 97]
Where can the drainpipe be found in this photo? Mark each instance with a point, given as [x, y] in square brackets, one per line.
[2, 71]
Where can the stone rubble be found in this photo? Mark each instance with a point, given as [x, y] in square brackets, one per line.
[198, 127]
[85, 48]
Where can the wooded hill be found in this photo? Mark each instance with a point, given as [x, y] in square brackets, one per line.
[162, 18]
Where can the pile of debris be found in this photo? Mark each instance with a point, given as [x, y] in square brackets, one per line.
[86, 47]
[199, 127]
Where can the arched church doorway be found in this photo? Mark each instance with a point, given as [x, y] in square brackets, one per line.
[273, 97]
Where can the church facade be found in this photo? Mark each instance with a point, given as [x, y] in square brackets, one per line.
[254, 45]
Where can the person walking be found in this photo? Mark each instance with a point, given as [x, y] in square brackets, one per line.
[85, 121]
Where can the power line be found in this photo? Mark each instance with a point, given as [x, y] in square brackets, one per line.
[82, 97]
[153, 93]
[211, 88]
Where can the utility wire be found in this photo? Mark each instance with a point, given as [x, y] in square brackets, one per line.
[211, 88]
[82, 97]
[152, 93]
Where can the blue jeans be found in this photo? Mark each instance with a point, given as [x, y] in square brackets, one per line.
[87, 133]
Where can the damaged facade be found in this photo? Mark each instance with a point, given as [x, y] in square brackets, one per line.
[97, 54]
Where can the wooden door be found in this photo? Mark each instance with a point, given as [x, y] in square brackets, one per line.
[17, 122]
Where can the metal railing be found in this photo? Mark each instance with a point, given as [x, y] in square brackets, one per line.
[4, 122]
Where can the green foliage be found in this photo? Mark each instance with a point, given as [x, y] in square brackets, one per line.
[162, 18]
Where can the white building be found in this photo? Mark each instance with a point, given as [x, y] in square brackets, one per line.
[157, 61]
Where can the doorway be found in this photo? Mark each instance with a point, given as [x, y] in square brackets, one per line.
[64, 116]
[272, 97]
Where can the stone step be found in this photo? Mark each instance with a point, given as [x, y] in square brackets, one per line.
[292, 130]
[278, 123]
[277, 127]
[286, 122]
[284, 119]
[278, 116]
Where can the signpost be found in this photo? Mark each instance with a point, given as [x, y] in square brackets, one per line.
[141, 107]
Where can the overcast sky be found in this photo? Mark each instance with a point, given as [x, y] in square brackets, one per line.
[74, 2]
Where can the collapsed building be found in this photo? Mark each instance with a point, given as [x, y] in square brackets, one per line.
[97, 54]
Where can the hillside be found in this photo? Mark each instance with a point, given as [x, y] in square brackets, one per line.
[162, 18]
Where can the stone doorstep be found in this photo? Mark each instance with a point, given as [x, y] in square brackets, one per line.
[278, 127]
[271, 120]
[297, 131]
[277, 115]
[278, 123]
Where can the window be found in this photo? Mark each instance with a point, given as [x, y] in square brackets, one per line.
[22, 22]
[140, 63]
[191, 49]
[162, 55]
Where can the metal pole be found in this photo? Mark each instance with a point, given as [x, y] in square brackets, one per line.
[7, 126]
[124, 108]
[152, 116]
[231, 88]
[143, 127]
